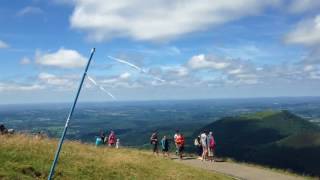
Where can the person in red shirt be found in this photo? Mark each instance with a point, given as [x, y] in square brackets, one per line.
[112, 139]
[180, 143]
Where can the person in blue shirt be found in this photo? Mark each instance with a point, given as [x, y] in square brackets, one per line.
[165, 146]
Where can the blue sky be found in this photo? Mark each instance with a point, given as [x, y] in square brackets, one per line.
[187, 49]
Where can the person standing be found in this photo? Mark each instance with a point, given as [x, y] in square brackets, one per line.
[112, 139]
[211, 146]
[197, 143]
[102, 136]
[174, 139]
[118, 143]
[203, 138]
[165, 146]
[154, 142]
[180, 144]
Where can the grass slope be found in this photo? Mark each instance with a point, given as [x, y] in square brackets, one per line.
[25, 157]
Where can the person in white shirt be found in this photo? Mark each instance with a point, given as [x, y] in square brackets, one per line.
[118, 143]
[174, 138]
[203, 139]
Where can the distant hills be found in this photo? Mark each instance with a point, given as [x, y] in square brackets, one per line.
[277, 139]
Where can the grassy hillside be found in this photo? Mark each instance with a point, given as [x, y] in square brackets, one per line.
[24, 157]
[277, 139]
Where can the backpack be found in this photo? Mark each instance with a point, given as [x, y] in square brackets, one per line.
[196, 142]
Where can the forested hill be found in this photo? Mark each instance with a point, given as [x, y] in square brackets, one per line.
[278, 139]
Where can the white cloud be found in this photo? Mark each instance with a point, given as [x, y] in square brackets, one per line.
[3, 44]
[307, 32]
[29, 10]
[124, 80]
[25, 61]
[19, 87]
[52, 79]
[63, 58]
[158, 20]
[299, 6]
[204, 62]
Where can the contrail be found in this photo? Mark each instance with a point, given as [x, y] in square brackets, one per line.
[101, 88]
[128, 63]
[136, 68]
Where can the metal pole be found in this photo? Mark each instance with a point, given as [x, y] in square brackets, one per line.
[69, 117]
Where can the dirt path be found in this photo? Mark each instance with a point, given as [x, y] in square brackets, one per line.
[239, 171]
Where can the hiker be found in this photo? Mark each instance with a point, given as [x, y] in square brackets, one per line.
[203, 139]
[174, 138]
[211, 146]
[99, 141]
[118, 143]
[3, 129]
[165, 146]
[197, 143]
[112, 139]
[154, 142]
[180, 144]
[102, 136]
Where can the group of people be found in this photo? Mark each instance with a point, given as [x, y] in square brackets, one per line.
[4, 130]
[205, 145]
[179, 142]
[110, 140]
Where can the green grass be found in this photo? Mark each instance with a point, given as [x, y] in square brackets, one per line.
[24, 157]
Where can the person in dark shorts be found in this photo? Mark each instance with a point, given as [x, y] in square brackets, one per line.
[102, 136]
[180, 143]
[197, 144]
[165, 146]
[154, 142]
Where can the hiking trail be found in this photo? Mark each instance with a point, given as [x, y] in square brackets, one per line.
[238, 171]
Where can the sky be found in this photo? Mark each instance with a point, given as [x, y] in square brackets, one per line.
[158, 49]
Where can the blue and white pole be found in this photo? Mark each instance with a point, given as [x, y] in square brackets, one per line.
[69, 117]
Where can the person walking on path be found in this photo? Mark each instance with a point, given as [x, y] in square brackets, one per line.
[154, 142]
[180, 144]
[203, 138]
[174, 139]
[197, 143]
[211, 146]
[112, 139]
[165, 146]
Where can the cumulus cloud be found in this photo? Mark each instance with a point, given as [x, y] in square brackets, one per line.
[29, 10]
[63, 58]
[3, 44]
[160, 19]
[204, 62]
[306, 32]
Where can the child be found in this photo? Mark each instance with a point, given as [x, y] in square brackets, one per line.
[118, 143]
[165, 146]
